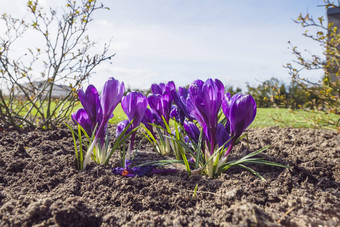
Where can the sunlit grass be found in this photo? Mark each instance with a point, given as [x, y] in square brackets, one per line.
[267, 117]
[118, 113]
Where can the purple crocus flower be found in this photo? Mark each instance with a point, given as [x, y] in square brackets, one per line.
[222, 136]
[160, 101]
[181, 98]
[240, 110]
[134, 105]
[139, 171]
[112, 94]
[177, 114]
[161, 105]
[81, 117]
[163, 88]
[206, 99]
[191, 130]
[148, 119]
[91, 103]
[121, 126]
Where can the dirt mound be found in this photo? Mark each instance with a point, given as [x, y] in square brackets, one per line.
[39, 185]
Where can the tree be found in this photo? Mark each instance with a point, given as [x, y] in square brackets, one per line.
[326, 92]
[230, 89]
[28, 81]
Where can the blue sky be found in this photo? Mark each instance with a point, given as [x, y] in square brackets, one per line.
[237, 42]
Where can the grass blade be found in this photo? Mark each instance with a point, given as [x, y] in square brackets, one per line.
[75, 145]
[252, 171]
[255, 152]
[80, 147]
[195, 191]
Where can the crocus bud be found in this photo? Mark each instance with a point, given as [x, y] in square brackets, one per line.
[91, 103]
[134, 105]
[83, 119]
[240, 110]
[205, 102]
[121, 126]
[112, 94]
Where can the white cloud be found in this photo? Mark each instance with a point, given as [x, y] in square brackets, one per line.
[135, 78]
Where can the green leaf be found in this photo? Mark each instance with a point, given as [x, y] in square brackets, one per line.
[166, 125]
[255, 152]
[252, 171]
[150, 137]
[162, 162]
[195, 191]
[75, 144]
[199, 150]
[120, 140]
[268, 163]
[80, 147]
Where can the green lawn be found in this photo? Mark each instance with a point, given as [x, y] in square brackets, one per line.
[118, 113]
[265, 117]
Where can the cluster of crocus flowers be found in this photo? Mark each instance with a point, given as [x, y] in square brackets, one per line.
[160, 103]
[209, 121]
[204, 104]
[95, 115]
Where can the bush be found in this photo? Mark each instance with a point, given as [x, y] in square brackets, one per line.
[325, 93]
[29, 82]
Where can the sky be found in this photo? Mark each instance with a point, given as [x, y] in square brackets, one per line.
[238, 42]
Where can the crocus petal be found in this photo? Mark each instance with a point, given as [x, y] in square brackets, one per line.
[155, 103]
[160, 107]
[140, 170]
[170, 86]
[192, 130]
[166, 103]
[158, 88]
[180, 99]
[121, 126]
[82, 117]
[214, 91]
[206, 99]
[134, 105]
[112, 94]
[174, 113]
[240, 111]
[162, 88]
[222, 136]
[160, 100]
[90, 101]
[148, 117]
[227, 103]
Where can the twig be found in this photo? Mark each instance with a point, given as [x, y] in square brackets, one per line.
[285, 214]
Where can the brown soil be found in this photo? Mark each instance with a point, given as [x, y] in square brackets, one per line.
[40, 186]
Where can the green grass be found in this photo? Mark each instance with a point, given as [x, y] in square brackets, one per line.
[267, 117]
[118, 113]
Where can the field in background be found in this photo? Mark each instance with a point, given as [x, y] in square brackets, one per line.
[265, 117]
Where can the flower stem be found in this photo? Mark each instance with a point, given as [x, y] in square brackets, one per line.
[230, 147]
[131, 145]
